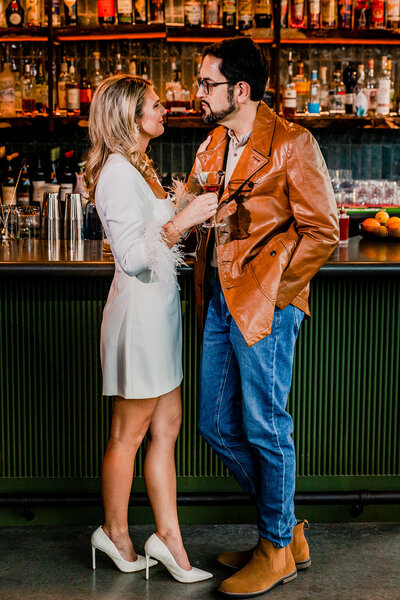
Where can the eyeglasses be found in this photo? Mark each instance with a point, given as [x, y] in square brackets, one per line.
[207, 86]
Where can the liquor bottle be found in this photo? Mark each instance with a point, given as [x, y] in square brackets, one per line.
[106, 12]
[372, 90]
[73, 91]
[229, 14]
[61, 86]
[289, 93]
[329, 14]
[71, 12]
[284, 13]
[212, 13]
[145, 71]
[28, 92]
[97, 76]
[140, 11]
[313, 104]
[392, 14]
[362, 13]
[192, 13]
[157, 11]
[18, 94]
[8, 192]
[245, 14]
[337, 94]
[384, 89]
[38, 180]
[297, 14]
[314, 14]
[32, 15]
[118, 69]
[52, 174]
[132, 67]
[302, 88]
[263, 13]
[92, 224]
[350, 81]
[377, 14]
[15, 14]
[196, 102]
[67, 179]
[55, 12]
[360, 107]
[7, 90]
[85, 93]
[124, 12]
[345, 14]
[269, 95]
[24, 187]
[324, 91]
[392, 100]
[40, 90]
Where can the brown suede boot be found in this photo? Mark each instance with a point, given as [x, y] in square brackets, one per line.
[298, 546]
[267, 567]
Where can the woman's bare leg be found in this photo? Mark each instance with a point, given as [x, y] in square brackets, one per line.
[131, 419]
[160, 473]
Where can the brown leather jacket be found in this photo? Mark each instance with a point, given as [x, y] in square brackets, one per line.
[280, 222]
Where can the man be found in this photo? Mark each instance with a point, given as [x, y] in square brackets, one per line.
[277, 224]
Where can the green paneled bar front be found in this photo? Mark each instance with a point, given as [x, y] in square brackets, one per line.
[55, 422]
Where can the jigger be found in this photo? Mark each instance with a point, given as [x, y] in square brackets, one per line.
[73, 218]
[51, 221]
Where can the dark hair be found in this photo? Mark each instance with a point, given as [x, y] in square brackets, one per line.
[242, 60]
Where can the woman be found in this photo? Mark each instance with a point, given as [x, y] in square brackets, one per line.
[141, 328]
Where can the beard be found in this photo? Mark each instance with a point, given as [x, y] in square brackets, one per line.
[215, 117]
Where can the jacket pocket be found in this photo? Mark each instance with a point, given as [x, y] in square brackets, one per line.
[268, 265]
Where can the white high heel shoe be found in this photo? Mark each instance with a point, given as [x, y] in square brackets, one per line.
[157, 549]
[101, 541]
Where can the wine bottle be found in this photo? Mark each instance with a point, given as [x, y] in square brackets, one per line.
[361, 14]
[85, 93]
[124, 12]
[345, 14]
[297, 14]
[33, 13]
[38, 180]
[71, 12]
[24, 187]
[314, 14]
[106, 12]
[8, 183]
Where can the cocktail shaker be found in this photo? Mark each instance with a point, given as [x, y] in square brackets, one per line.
[73, 218]
[51, 217]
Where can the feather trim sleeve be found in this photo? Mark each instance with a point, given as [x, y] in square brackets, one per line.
[163, 262]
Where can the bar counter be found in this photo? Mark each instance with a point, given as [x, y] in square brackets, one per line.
[55, 422]
[42, 257]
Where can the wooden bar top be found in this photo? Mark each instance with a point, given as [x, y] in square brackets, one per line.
[42, 257]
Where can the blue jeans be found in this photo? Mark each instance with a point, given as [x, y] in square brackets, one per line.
[243, 398]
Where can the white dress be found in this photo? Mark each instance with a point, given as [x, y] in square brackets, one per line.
[141, 332]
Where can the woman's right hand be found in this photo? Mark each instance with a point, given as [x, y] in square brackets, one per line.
[200, 210]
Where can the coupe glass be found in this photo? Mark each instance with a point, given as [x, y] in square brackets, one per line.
[211, 181]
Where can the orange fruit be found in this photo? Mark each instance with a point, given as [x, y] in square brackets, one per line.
[394, 229]
[382, 216]
[381, 231]
[370, 225]
[393, 220]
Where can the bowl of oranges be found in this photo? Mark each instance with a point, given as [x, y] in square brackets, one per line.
[381, 227]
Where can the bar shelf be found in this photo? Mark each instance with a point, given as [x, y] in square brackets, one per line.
[110, 32]
[340, 36]
[24, 34]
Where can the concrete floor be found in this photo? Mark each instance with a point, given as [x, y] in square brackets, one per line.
[349, 562]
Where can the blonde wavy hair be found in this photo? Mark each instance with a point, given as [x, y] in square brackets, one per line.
[116, 106]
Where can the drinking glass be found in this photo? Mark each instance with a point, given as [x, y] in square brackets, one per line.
[28, 222]
[211, 181]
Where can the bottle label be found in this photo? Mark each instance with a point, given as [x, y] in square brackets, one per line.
[378, 12]
[7, 193]
[393, 10]
[314, 7]
[328, 13]
[193, 13]
[372, 98]
[65, 188]
[62, 95]
[298, 6]
[289, 98]
[23, 198]
[245, 9]
[15, 18]
[349, 98]
[229, 7]
[85, 96]
[384, 96]
[37, 193]
[105, 8]
[73, 98]
[124, 7]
